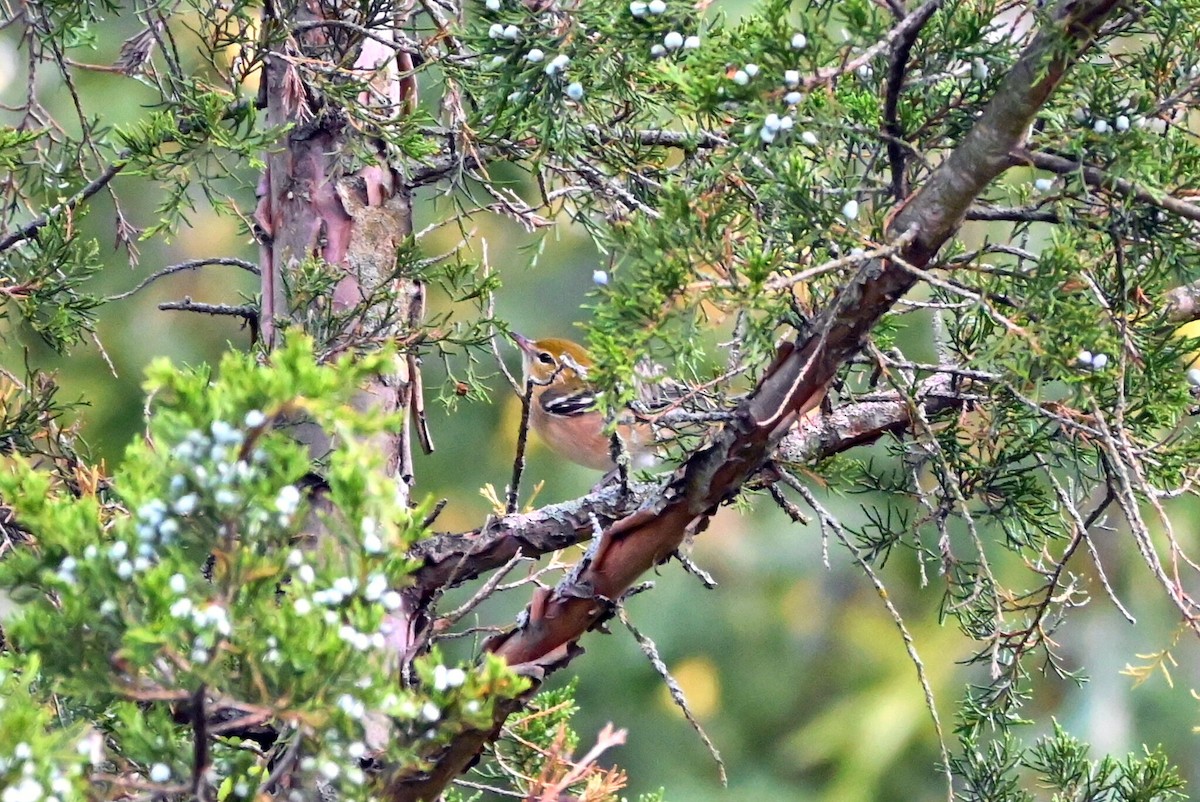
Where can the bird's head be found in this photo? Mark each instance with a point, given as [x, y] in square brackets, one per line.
[553, 359]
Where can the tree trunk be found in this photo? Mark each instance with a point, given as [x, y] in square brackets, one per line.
[315, 203]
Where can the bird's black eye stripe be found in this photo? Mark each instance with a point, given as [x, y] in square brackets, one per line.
[545, 358]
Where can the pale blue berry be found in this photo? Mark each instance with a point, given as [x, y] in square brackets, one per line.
[288, 499]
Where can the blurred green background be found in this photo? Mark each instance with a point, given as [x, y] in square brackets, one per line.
[794, 667]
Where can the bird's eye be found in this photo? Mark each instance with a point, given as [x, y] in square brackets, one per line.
[545, 358]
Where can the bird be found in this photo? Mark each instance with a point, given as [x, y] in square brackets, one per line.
[563, 409]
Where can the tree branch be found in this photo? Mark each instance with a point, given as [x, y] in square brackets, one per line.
[1099, 179]
[1182, 304]
[453, 160]
[450, 560]
[795, 384]
[246, 312]
[902, 35]
[91, 188]
[41, 221]
[190, 264]
[897, 66]
[1021, 214]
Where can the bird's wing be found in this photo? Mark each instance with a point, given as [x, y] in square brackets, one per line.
[567, 402]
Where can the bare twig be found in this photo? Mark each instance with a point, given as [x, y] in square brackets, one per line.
[41, 221]
[651, 651]
[828, 520]
[284, 764]
[246, 312]
[454, 616]
[897, 35]
[190, 264]
[514, 486]
[695, 570]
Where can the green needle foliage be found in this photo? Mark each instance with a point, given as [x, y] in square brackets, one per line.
[216, 615]
[184, 572]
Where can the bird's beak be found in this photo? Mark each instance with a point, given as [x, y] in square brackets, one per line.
[524, 343]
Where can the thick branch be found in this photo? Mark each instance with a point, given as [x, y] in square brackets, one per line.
[987, 150]
[452, 559]
[796, 382]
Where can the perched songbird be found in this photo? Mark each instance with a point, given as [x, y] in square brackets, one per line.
[563, 407]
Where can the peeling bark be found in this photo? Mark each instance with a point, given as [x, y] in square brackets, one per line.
[313, 203]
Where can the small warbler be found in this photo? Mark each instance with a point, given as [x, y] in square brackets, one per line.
[563, 407]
